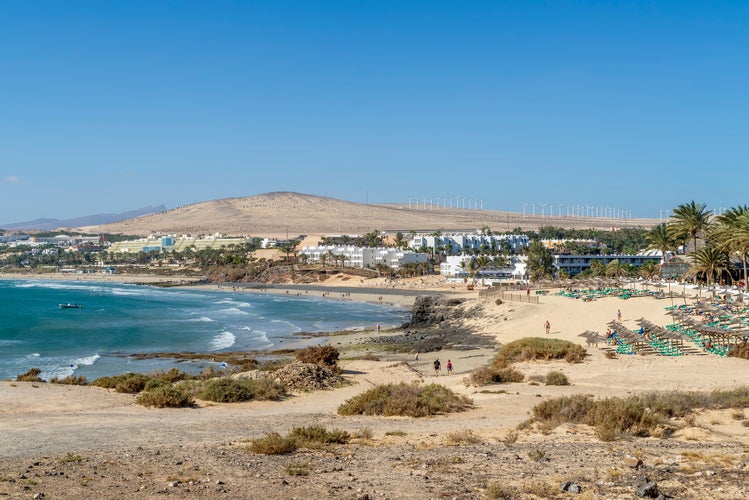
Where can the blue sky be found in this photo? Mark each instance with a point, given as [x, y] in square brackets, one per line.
[109, 106]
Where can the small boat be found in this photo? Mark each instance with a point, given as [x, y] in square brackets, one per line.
[70, 306]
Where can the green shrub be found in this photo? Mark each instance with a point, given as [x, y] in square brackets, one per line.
[535, 348]
[70, 380]
[129, 383]
[405, 400]
[323, 355]
[556, 378]
[227, 390]
[166, 396]
[30, 376]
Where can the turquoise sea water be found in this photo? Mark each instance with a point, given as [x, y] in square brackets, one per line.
[117, 320]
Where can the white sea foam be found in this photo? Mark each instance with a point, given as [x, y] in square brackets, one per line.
[291, 325]
[87, 361]
[224, 340]
[203, 319]
[233, 311]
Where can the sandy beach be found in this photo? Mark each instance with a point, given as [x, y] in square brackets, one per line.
[70, 441]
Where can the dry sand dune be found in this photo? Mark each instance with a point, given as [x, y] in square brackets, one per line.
[281, 214]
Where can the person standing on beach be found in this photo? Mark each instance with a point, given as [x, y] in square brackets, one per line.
[547, 326]
[619, 315]
[449, 367]
[437, 367]
[416, 358]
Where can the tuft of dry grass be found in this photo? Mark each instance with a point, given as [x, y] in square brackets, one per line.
[30, 376]
[462, 437]
[311, 437]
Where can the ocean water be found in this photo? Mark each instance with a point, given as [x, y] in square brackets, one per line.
[118, 320]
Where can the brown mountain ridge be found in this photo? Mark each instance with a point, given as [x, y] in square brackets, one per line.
[279, 214]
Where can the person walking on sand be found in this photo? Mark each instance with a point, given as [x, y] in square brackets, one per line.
[437, 367]
[547, 326]
[416, 358]
[619, 315]
[449, 367]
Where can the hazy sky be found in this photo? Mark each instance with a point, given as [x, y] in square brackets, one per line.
[110, 106]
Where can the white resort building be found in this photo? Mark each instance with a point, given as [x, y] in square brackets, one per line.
[458, 243]
[365, 257]
[171, 243]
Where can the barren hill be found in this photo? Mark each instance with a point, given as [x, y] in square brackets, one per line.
[282, 213]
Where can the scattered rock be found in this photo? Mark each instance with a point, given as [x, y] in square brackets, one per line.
[570, 487]
[646, 488]
[299, 376]
[632, 462]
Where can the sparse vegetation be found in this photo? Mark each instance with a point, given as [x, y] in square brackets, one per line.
[396, 433]
[405, 400]
[487, 375]
[323, 355]
[643, 415]
[227, 390]
[30, 376]
[300, 437]
[499, 491]
[462, 437]
[510, 438]
[129, 383]
[70, 380]
[298, 468]
[166, 396]
[537, 348]
[556, 378]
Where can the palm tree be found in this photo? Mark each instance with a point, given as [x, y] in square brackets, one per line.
[660, 239]
[689, 219]
[649, 269]
[731, 234]
[710, 262]
[615, 268]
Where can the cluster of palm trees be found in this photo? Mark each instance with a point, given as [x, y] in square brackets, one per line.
[722, 236]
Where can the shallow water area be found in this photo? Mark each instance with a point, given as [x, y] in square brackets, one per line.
[117, 320]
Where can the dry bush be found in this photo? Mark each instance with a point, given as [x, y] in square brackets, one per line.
[486, 376]
[30, 376]
[228, 390]
[510, 438]
[500, 491]
[740, 351]
[300, 437]
[314, 436]
[70, 380]
[537, 348]
[405, 400]
[129, 383]
[643, 415]
[556, 378]
[166, 396]
[323, 355]
[462, 437]
[273, 444]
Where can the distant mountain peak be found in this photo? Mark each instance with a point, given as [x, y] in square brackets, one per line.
[86, 220]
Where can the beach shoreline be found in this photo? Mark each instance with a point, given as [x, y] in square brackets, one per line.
[45, 423]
